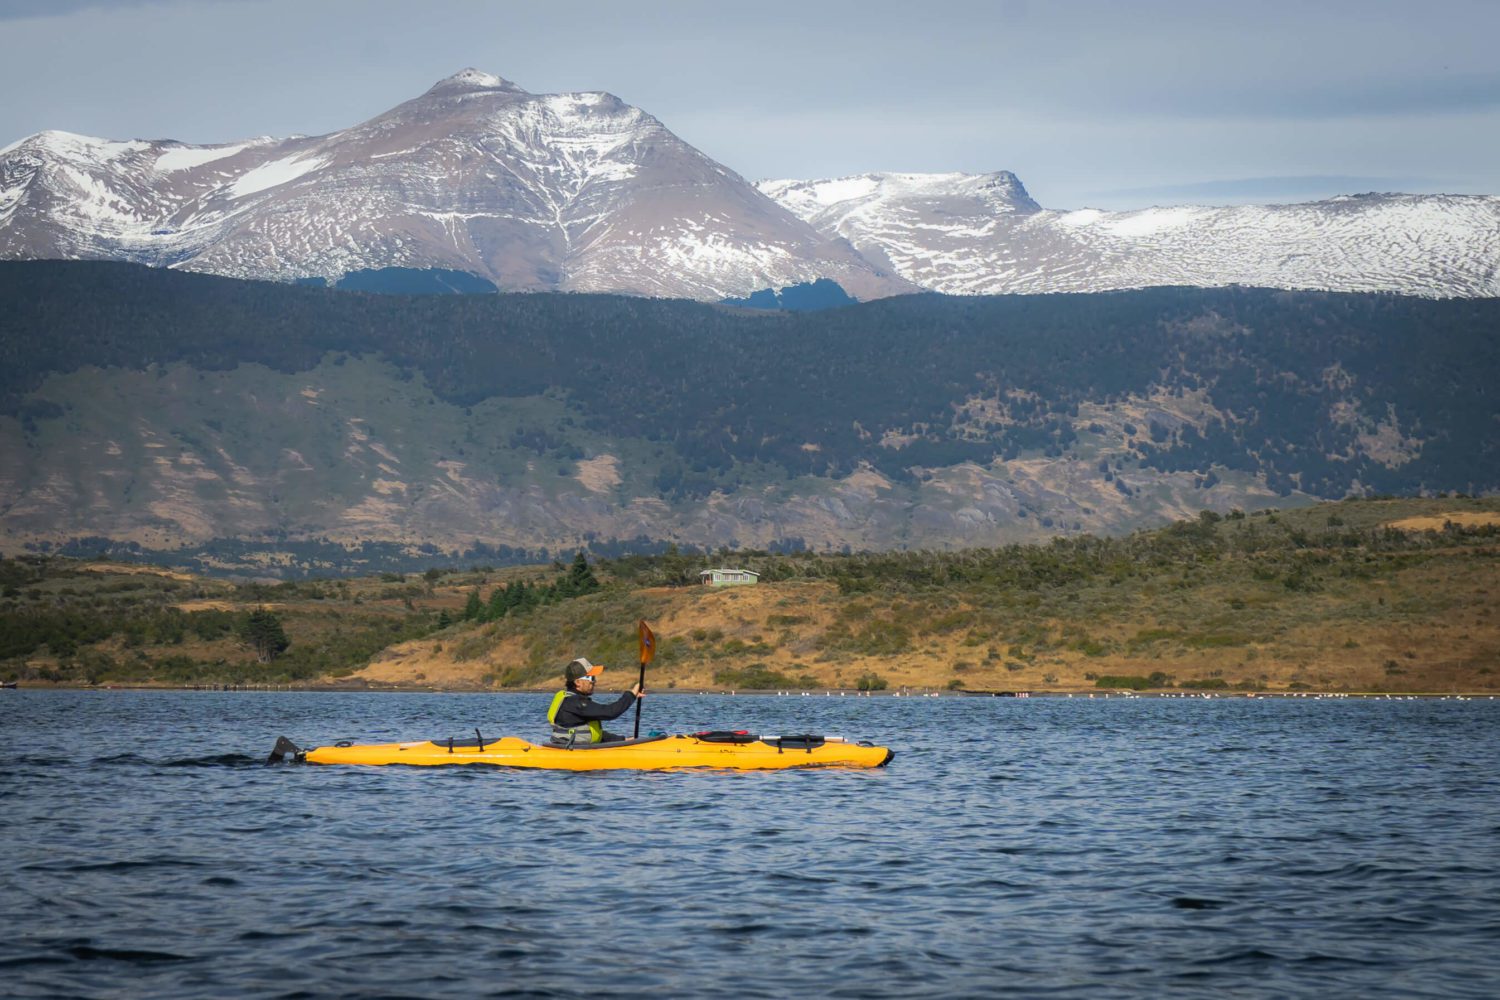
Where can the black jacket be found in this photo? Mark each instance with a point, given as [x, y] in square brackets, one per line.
[580, 709]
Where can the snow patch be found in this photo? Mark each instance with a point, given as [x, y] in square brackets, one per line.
[187, 157]
[88, 147]
[1082, 217]
[97, 202]
[11, 197]
[472, 77]
[842, 189]
[1152, 221]
[274, 174]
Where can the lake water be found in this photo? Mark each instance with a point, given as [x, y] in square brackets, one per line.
[1077, 848]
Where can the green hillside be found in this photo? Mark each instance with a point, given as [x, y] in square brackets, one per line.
[251, 426]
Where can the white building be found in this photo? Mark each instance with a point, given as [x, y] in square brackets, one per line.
[727, 577]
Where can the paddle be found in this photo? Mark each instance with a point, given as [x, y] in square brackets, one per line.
[648, 653]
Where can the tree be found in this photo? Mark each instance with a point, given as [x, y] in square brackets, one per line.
[473, 607]
[262, 631]
[581, 579]
[500, 602]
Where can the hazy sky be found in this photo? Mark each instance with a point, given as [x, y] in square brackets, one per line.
[1110, 104]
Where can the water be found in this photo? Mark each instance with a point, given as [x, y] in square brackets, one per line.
[1122, 848]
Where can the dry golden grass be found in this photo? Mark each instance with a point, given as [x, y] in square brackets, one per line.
[128, 569]
[1435, 522]
[1332, 646]
[1321, 598]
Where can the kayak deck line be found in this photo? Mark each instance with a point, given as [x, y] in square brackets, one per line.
[738, 751]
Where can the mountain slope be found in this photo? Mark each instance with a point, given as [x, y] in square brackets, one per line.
[982, 234]
[583, 192]
[568, 192]
[176, 410]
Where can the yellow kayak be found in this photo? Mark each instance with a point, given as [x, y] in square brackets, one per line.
[736, 751]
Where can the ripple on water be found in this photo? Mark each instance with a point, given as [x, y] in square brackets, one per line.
[1091, 848]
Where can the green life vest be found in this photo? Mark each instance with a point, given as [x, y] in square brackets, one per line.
[595, 729]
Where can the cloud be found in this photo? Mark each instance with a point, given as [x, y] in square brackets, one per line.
[17, 10]
[1436, 92]
[1079, 98]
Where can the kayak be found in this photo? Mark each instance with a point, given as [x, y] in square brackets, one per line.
[729, 750]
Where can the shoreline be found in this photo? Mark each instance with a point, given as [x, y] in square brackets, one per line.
[1085, 694]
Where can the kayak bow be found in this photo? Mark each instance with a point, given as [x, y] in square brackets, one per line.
[722, 750]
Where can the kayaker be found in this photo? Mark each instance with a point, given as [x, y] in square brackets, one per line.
[576, 717]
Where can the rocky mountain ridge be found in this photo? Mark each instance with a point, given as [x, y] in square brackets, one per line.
[564, 192]
[583, 192]
[982, 234]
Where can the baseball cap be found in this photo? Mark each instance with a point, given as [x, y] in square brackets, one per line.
[581, 667]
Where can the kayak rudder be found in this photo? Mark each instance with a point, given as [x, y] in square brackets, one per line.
[286, 752]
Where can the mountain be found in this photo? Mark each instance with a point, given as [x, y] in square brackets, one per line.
[582, 192]
[982, 234]
[272, 428]
[566, 192]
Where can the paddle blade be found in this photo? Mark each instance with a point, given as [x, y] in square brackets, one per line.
[648, 643]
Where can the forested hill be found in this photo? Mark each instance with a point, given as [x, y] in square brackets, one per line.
[1092, 411]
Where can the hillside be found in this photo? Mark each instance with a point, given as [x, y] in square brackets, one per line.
[260, 428]
[1380, 595]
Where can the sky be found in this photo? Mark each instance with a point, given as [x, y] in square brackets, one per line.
[1090, 102]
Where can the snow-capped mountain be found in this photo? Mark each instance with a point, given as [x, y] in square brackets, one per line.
[971, 234]
[583, 192]
[578, 192]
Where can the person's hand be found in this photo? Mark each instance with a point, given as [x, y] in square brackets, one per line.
[638, 691]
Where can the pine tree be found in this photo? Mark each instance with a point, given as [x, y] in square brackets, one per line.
[263, 633]
[581, 579]
[473, 607]
[521, 597]
[500, 603]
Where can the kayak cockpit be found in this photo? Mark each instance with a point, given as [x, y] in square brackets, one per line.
[564, 744]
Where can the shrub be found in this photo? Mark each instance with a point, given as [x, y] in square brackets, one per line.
[759, 677]
[1134, 682]
[1214, 640]
[1128, 682]
[871, 682]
